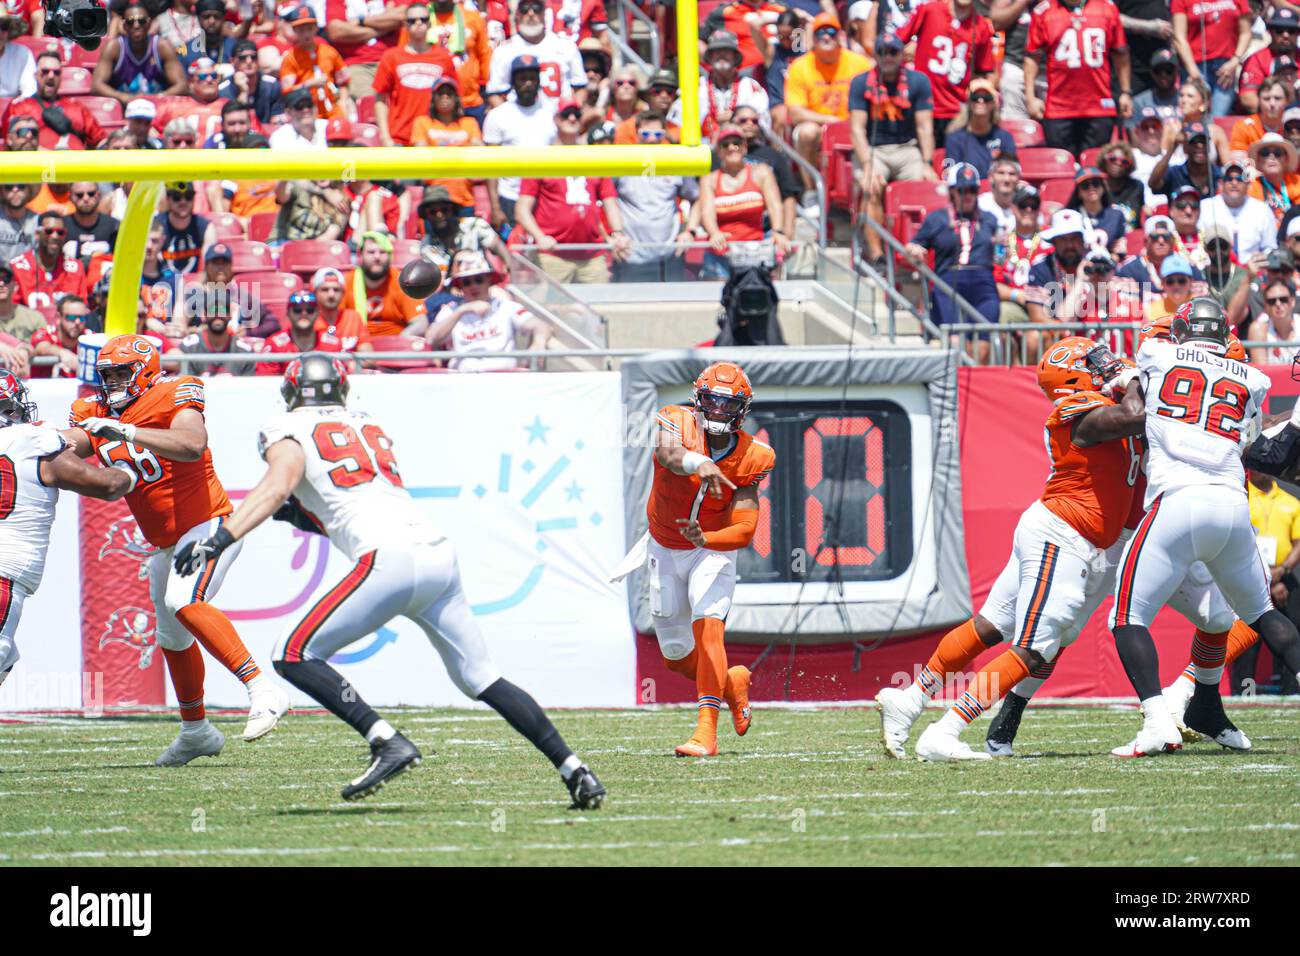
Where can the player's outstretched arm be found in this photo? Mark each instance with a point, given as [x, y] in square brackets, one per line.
[738, 534]
[67, 471]
[1127, 418]
[677, 459]
[184, 440]
[285, 467]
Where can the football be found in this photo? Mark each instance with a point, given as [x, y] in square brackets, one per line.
[420, 278]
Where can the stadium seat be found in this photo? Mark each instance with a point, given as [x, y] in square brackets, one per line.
[908, 202]
[227, 225]
[1089, 156]
[305, 256]
[260, 225]
[106, 110]
[1025, 132]
[365, 134]
[75, 81]
[937, 160]
[401, 343]
[366, 109]
[1135, 242]
[404, 250]
[37, 45]
[1047, 211]
[482, 205]
[4, 103]
[273, 290]
[1056, 190]
[250, 256]
[1042, 163]
[837, 165]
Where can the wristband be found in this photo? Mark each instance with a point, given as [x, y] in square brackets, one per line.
[691, 462]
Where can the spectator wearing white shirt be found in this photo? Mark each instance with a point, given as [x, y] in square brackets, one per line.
[1248, 219]
[562, 74]
[304, 127]
[1004, 179]
[527, 119]
[17, 66]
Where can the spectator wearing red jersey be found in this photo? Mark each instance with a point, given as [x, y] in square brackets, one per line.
[306, 333]
[567, 211]
[361, 31]
[44, 276]
[1079, 43]
[1211, 37]
[405, 79]
[954, 45]
[200, 110]
[59, 338]
[137, 63]
[1283, 28]
[64, 123]
[735, 18]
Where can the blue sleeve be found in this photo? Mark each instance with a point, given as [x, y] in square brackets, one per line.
[920, 93]
[935, 223]
[858, 92]
[1008, 143]
[954, 148]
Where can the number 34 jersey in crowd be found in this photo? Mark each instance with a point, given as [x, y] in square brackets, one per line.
[167, 498]
[351, 485]
[1202, 409]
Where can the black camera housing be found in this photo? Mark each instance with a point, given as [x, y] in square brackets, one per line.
[84, 22]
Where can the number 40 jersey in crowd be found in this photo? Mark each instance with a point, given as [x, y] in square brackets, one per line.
[351, 486]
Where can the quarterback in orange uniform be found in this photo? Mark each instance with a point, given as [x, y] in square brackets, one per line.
[152, 427]
[1040, 600]
[703, 508]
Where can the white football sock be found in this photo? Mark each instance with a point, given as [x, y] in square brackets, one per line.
[382, 730]
[570, 764]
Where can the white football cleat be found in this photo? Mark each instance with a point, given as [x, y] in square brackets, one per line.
[266, 706]
[202, 741]
[1177, 696]
[999, 748]
[936, 745]
[1151, 741]
[897, 715]
[1231, 738]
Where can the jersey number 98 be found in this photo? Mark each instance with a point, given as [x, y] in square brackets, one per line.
[358, 462]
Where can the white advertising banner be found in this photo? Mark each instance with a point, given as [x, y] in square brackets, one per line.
[522, 471]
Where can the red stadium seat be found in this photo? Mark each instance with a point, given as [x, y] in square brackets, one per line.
[482, 205]
[106, 110]
[273, 289]
[1056, 190]
[305, 256]
[227, 225]
[1047, 211]
[1040, 164]
[250, 256]
[365, 134]
[401, 343]
[404, 250]
[75, 81]
[837, 165]
[1089, 156]
[1025, 132]
[908, 202]
[937, 160]
[4, 103]
[1135, 242]
[260, 225]
[366, 109]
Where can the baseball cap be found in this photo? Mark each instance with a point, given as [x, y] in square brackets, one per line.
[296, 98]
[1023, 194]
[723, 40]
[887, 41]
[1164, 57]
[1147, 114]
[825, 20]
[1215, 232]
[1280, 260]
[663, 77]
[1283, 17]
[203, 65]
[568, 103]
[1239, 164]
[1087, 173]
[525, 61]
[1292, 115]
[962, 176]
[446, 80]
[535, 4]
[1188, 190]
[243, 46]
[728, 131]
[325, 272]
[215, 6]
[1175, 265]
[1282, 62]
[1065, 222]
[1194, 130]
[218, 250]
[140, 109]
[1099, 255]
[299, 15]
[1160, 224]
[339, 128]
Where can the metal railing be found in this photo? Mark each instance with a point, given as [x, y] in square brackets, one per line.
[624, 43]
[1022, 343]
[819, 183]
[667, 265]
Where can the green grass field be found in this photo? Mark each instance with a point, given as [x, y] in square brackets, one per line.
[803, 787]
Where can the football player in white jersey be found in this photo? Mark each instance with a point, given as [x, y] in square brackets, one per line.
[1202, 410]
[332, 471]
[35, 462]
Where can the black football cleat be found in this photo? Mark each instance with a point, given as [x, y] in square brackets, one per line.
[388, 758]
[1206, 716]
[1005, 726]
[586, 791]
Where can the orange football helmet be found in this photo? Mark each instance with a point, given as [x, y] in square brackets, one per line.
[722, 397]
[1158, 329]
[1065, 369]
[1236, 350]
[138, 357]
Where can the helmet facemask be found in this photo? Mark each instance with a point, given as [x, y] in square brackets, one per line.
[720, 413]
[118, 395]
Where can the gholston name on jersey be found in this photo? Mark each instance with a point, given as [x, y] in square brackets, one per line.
[76, 909]
[1190, 353]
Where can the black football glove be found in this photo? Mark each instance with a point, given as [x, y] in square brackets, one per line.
[195, 554]
[293, 512]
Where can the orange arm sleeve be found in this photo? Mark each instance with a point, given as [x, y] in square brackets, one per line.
[736, 535]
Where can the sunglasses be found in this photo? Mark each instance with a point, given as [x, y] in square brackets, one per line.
[1164, 68]
[10, 187]
[1091, 184]
[1279, 300]
[1284, 31]
[1271, 152]
[54, 72]
[205, 76]
[981, 98]
[1096, 270]
[1161, 237]
[1119, 160]
[182, 141]
[472, 280]
[303, 309]
[179, 197]
[732, 142]
[1234, 178]
[84, 195]
[245, 56]
[1030, 206]
[571, 115]
[651, 135]
[625, 82]
[22, 131]
[56, 232]
[1177, 280]
[6, 279]
[137, 21]
[411, 21]
[1187, 204]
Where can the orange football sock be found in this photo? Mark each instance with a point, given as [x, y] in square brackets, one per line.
[955, 652]
[710, 676]
[1240, 639]
[214, 631]
[685, 666]
[186, 668]
[992, 683]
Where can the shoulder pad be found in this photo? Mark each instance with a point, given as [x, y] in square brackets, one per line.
[1078, 404]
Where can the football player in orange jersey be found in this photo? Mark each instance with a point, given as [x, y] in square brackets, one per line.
[152, 427]
[703, 508]
[1038, 598]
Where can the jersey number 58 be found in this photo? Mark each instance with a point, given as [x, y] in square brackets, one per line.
[358, 462]
[139, 463]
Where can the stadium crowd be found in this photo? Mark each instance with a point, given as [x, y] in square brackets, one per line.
[1052, 162]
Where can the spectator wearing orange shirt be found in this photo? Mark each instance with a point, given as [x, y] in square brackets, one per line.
[405, 78]
[314, 65]
[1275, 96]
[463, 34]
[372, 290]
[446, 125]
[659, 96]
[817, 89]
